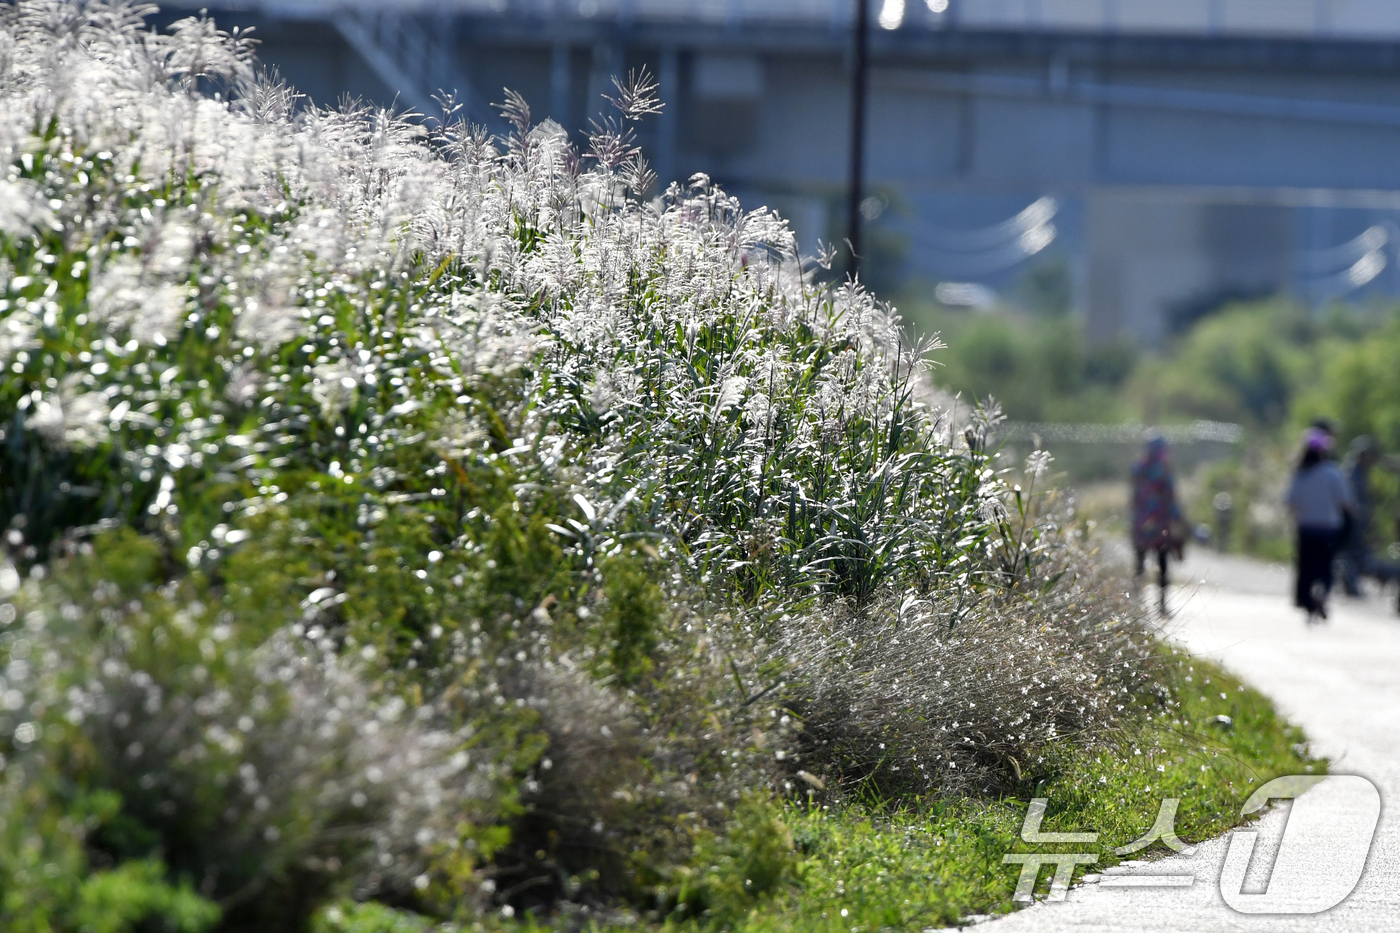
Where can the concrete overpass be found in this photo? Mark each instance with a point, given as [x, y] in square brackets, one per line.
[1161, 154]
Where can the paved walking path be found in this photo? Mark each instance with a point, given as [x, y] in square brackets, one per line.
[1341, 682]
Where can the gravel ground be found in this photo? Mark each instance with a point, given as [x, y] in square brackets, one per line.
[1341, 682]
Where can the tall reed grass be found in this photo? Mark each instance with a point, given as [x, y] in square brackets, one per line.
[394, 510]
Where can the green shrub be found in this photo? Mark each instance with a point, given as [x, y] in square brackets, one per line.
[49, 881]
[733, 873]
[136, 892]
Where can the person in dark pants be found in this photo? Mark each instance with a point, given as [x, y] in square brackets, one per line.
[1320, 498]
[1155, 512]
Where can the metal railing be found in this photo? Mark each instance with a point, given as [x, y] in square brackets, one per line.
[1217, 432]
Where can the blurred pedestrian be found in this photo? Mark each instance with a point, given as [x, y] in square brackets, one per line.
[1354, 550]
[1325, 425]
[1156, 515]
[1320, 499]
[1356, 555]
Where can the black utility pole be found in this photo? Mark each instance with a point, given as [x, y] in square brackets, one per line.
[858, 77]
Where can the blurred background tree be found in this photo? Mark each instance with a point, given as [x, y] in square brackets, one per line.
[1271, 366]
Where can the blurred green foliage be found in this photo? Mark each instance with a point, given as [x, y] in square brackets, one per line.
[1272, 366]
[1047, 288]
[1263, 364]
[50, 881]
[1358, 384]
[1038, 367]
[1245, 364]
[1275, 367]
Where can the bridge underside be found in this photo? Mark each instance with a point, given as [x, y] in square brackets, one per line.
[1157, 175]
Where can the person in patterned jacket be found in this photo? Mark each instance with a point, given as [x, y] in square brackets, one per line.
[1156, 514]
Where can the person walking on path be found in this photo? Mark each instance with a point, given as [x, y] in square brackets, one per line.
[1321, 499]
[1356, 551]
[1156, 514]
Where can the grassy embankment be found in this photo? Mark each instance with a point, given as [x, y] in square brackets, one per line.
[435, 524]
[885, 865]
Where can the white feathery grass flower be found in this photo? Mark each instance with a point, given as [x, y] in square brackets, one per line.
[16, 334]
[1038, 463]
[991, 510]
[731, 393]
[70, 418]
[335, 386]
[22, 208]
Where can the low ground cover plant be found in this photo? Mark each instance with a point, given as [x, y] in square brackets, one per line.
[404, 526]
